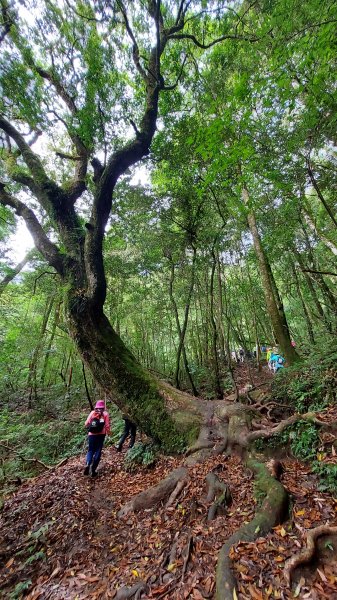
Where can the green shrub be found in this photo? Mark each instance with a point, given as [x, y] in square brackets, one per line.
[327, 473]
[142, 454]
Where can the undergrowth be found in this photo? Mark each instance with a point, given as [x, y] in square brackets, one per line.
[307, 387]
[142, 454]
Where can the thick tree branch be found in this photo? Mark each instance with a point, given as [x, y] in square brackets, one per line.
[117, 164]
[135, 47]
[78, 185]
[320, 272]
[190, 36]
[14, 271]
[31, 159]
[49, 250]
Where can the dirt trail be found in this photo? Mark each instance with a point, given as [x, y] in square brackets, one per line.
[61, 538]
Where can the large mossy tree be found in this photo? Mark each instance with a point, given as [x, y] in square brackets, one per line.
[84, 87]
[81, 87]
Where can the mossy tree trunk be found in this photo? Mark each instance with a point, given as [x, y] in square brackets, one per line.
[167, 415]
[272, 297]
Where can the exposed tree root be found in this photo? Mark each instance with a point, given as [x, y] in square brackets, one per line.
[232, 428]
[155, 494]
[187, 553]
[176, 492]
[271, 513]
[270, 431]
[307, 554]
[240, 419]
[215, 485]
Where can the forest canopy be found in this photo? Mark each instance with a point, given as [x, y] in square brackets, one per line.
[226, 236]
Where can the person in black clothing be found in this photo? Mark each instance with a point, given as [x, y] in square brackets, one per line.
[129, 429]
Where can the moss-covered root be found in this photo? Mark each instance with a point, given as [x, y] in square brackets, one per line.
[270, 514]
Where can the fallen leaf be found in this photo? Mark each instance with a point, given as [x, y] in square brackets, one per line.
[10, 562]
[322, 576]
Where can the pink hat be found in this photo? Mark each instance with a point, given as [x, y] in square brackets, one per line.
[100, 404]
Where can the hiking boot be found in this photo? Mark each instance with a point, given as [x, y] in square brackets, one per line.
[118, 448]
[94, 474]
[86, 470]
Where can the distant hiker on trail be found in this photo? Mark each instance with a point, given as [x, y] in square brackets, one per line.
[234, 356]
[269, 353]
[242, 355]
[98, 426]
[129, 428]
[277, 361]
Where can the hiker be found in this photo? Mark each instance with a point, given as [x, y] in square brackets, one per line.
[242, 355]
[129, 428]
[276, 361]
[98, 426]
[234, 356]
[269, 354]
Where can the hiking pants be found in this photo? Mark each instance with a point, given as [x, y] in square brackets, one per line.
[95, 443]
[129, 428]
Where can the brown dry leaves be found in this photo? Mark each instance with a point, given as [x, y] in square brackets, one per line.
[61, 532]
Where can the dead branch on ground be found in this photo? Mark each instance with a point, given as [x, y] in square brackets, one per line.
[34, 459]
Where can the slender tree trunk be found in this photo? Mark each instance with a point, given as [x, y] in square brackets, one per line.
[274, 305]
[199, 341]
[319, 194]
[228, 350]
[223, 340]
[182, 330]
[304, 308]
[218, 387]
[86, 387]
[51, 339]
[327, 241]
[321, 313]
[317, 276]
[31, 381]
[253, 304]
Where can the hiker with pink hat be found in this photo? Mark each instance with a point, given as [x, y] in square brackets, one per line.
[98, 426]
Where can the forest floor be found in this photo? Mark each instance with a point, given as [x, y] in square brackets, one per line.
[61, 537]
